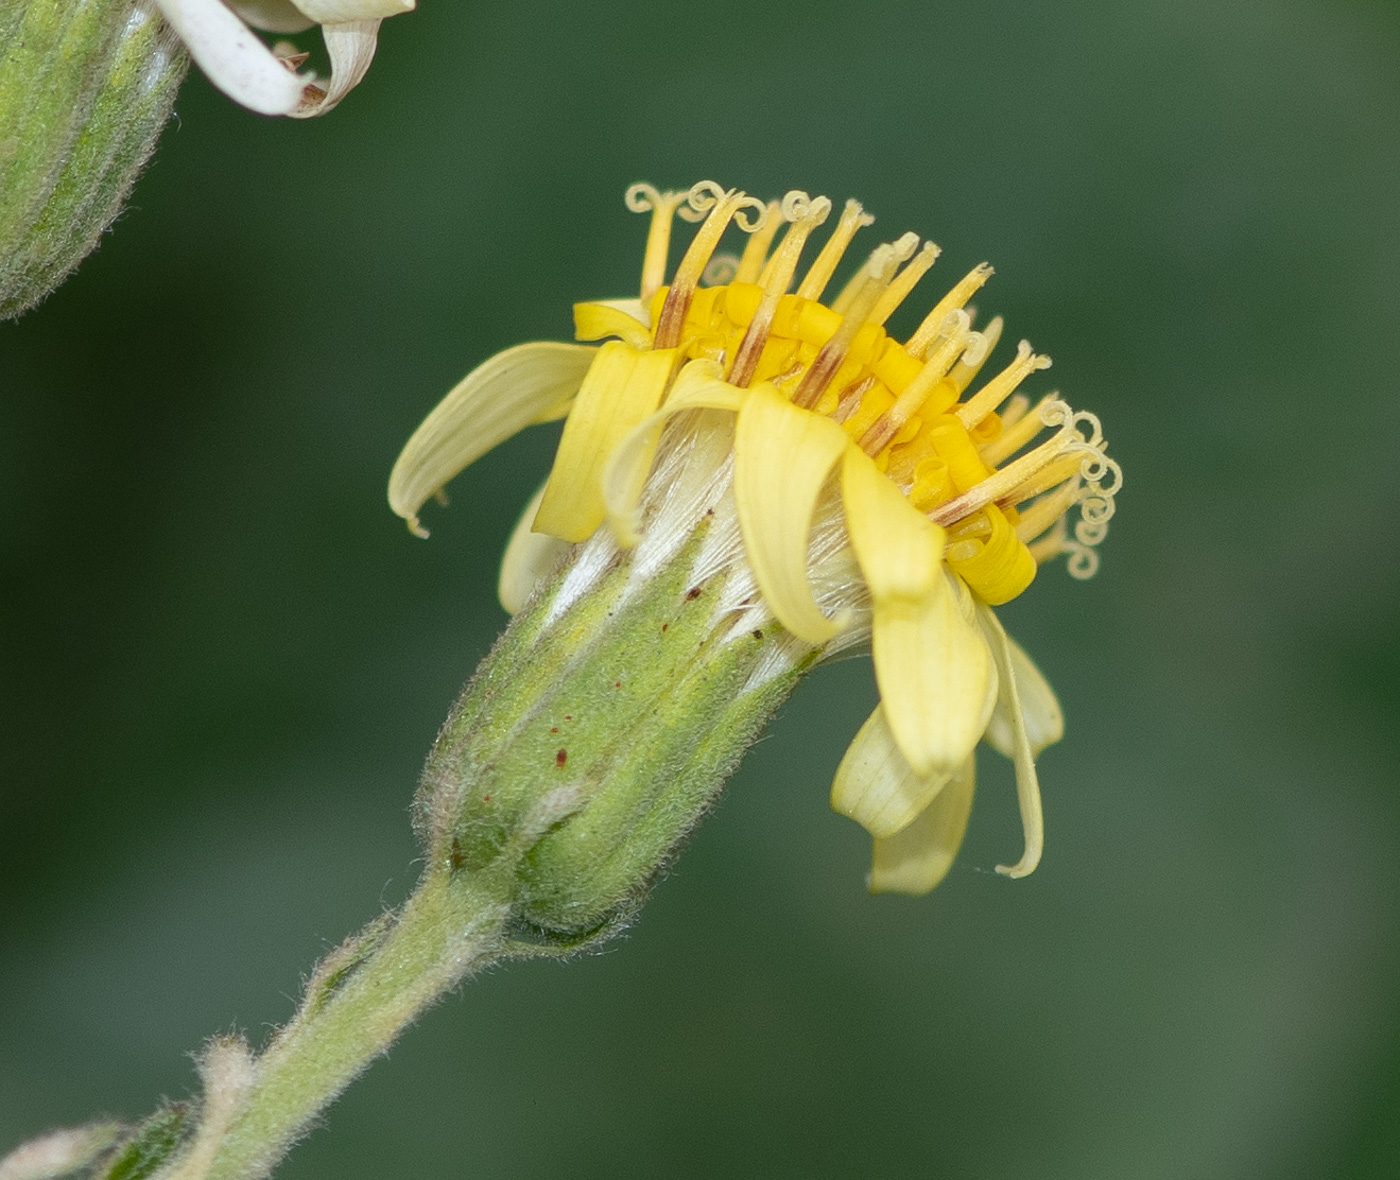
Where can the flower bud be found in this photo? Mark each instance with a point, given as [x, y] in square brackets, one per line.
[85, 88]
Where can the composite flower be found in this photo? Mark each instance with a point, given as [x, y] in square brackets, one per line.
[870, 490]
[218, 34]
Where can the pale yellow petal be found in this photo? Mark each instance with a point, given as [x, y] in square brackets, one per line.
[495, 400]
[350, 45]
[935, 678]
[900, 550]
[1027, 785]
[529, 558]
[594, 321]
[623, 387]
[697, 387]
[782, 457]
[326, 12]
[931, 663]
[876, 787]
[919, 857]
[1045, 723]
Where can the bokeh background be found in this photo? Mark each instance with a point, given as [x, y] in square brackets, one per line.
[223, 659]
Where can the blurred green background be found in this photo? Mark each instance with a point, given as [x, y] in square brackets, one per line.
[223, 659]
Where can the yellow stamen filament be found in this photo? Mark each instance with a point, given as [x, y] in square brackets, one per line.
[956, 298]
[1050, 546]
[1012, 476]
[1047, 511]
[1002, 386]
[951, 341]
[971, 361]
[904, 283]
[853, 217]
[805, 215]
[642, 198]
[722, 207]
[903, 248]
[1015, 410]
[1048, 477]
[875, 277]
[1016, 433]
[756, 248]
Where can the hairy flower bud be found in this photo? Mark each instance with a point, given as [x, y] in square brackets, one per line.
[85, 88]
[596, 735]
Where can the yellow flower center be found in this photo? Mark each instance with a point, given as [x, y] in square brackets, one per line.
[959, 458]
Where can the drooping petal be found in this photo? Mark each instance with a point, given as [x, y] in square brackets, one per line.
[698, 387]
[276, 16]
[351, 45]
[529, 558]
[1027, 785]
[594, 321]
[782, 457]
[876, 786]
[622, 388]
[329, 12]
[932, 665]
[497, 399]
[233, 57]
[1045, 723]
[919, 857]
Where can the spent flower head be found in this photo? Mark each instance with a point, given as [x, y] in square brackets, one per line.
[266, 79]
[857, 489]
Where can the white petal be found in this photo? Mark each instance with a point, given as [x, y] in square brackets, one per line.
[351, 46]
[875, 785]
[497, 399]
[1027, 785]
[530, 558]
[919, 857]
[276, 16]
[1045, 723]
[329, 12]
[232, 56]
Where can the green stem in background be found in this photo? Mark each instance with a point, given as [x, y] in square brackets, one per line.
[85, 88]
[592, 739]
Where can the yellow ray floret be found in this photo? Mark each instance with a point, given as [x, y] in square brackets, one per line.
[782, 457]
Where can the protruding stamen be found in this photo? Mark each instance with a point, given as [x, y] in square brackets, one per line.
[722, 207]
[951, 341]
[853, 217]
[1002, 386]
[957, 297]
[1047, 511]
[875, 277]
[642, 198]
[1000, 485]
[904, 282]
[1015, 410]
[1016, 432]
[903, 248]
[756, 248]
[804, 215]
[972, 360]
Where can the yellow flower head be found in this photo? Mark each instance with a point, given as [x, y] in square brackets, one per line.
[867, 491]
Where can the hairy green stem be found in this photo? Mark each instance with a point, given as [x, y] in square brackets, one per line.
[452, 927]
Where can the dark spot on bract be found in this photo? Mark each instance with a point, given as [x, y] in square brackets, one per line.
[692, 593]
[553, 729]
[455, 857]
[617, 683]
[561, 757]
[758, 634]
[664, 626]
